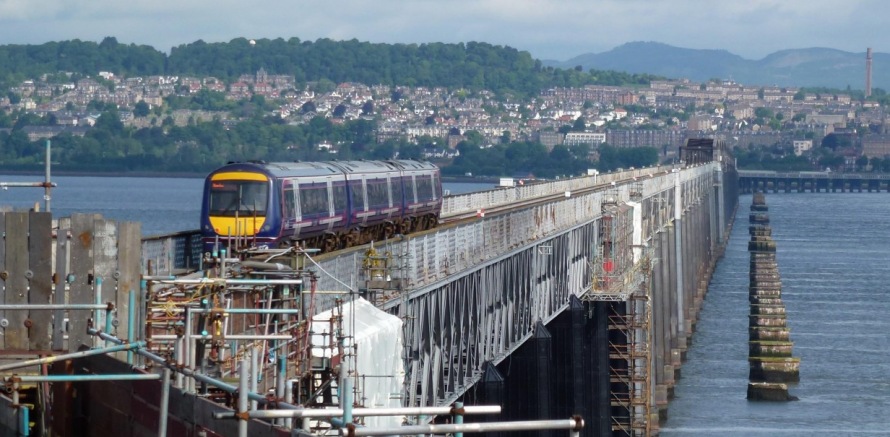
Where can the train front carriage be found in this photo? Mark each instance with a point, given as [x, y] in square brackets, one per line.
[239, 207]
[326, 205]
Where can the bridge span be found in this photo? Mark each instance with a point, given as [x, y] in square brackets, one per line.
[583, 302]
[562, 298]
[751, 181]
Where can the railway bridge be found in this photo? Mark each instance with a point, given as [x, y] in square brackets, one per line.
[560, 298]
[751, 181]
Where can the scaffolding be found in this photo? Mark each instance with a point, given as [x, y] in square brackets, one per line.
[258, 305]
[620, 281]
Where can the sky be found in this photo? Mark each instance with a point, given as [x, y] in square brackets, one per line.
[554, 29]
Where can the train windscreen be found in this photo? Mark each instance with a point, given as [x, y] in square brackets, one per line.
[229, 198]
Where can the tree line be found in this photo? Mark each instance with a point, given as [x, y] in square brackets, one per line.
[472, 65]
[204, 145]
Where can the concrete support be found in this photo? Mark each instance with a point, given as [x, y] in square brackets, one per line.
[769, 348]
[601, 423]
[678, 252]
[662, 315]
[530, 380]
[721, 206]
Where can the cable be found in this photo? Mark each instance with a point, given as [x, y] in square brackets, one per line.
[351, 290]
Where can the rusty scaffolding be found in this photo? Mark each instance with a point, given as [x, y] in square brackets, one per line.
[621, 282]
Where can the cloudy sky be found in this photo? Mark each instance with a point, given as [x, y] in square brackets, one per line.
[555, 29]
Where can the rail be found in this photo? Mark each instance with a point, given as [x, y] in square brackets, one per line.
[470, 203]
[181, 252]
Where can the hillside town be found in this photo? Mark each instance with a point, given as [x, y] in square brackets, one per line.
[662, 115]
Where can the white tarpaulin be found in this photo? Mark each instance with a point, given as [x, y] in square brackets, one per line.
[377, 336]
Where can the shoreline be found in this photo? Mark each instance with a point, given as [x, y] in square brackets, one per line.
[188, 175]
[470, 180]
[111, 174]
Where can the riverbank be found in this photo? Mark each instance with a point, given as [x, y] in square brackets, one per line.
[189, 175]
[112, 174]
[470, 179]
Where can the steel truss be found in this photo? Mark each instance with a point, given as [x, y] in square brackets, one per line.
[473, 293]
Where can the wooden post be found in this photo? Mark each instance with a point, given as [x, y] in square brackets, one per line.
[40, 259]
[105, 264]
[63, 245]
[16, 283]
[129, 259]
[81, 289]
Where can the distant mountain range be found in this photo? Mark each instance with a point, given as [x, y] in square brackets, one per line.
[813, 67]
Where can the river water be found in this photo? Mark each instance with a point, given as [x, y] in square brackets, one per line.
[833, 253]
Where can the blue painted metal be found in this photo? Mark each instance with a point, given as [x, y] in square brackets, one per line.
[98, 313]
[458, 417]
[25, 426]
[108, 324]
[229, 388]
[87, 378]
[86, 353]
[131, 323]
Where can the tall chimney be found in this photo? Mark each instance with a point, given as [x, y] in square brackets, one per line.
[868, 72]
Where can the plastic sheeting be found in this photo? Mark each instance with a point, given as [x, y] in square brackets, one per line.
[377, 337]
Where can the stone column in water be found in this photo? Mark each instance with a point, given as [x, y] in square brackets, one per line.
[769, 346]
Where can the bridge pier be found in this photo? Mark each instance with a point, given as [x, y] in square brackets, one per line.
[530, 380]
[663, 314]
[751, 181]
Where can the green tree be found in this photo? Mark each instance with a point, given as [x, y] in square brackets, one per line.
[368, 108]
[580, 125]
[141, 109]
[861, 163]
[308, 107]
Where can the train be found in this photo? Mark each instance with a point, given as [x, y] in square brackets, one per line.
[322, 205]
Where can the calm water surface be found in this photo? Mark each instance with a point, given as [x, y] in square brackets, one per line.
[162, 205]
[833, 253]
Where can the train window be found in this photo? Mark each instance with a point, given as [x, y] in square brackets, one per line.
[358, 197]
[314, 200]
[424, 188]
[436, 183]
[290, 201]
[339, 197]
[378, 195]
[243, 198]
[397, 199]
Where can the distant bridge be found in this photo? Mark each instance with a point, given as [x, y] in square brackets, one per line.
[811, 181]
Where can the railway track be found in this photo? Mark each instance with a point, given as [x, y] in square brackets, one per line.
[480, 213]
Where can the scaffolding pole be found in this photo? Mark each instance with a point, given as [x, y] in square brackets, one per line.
[574, 425]
[81, 354]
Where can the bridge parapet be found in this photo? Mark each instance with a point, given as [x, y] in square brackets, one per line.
[437, 255]
[472, 292]
[470, 202]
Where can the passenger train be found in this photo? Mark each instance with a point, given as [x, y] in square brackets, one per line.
[324, 205]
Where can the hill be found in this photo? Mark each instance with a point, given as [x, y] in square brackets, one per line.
[472, 65]
[811, 67]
